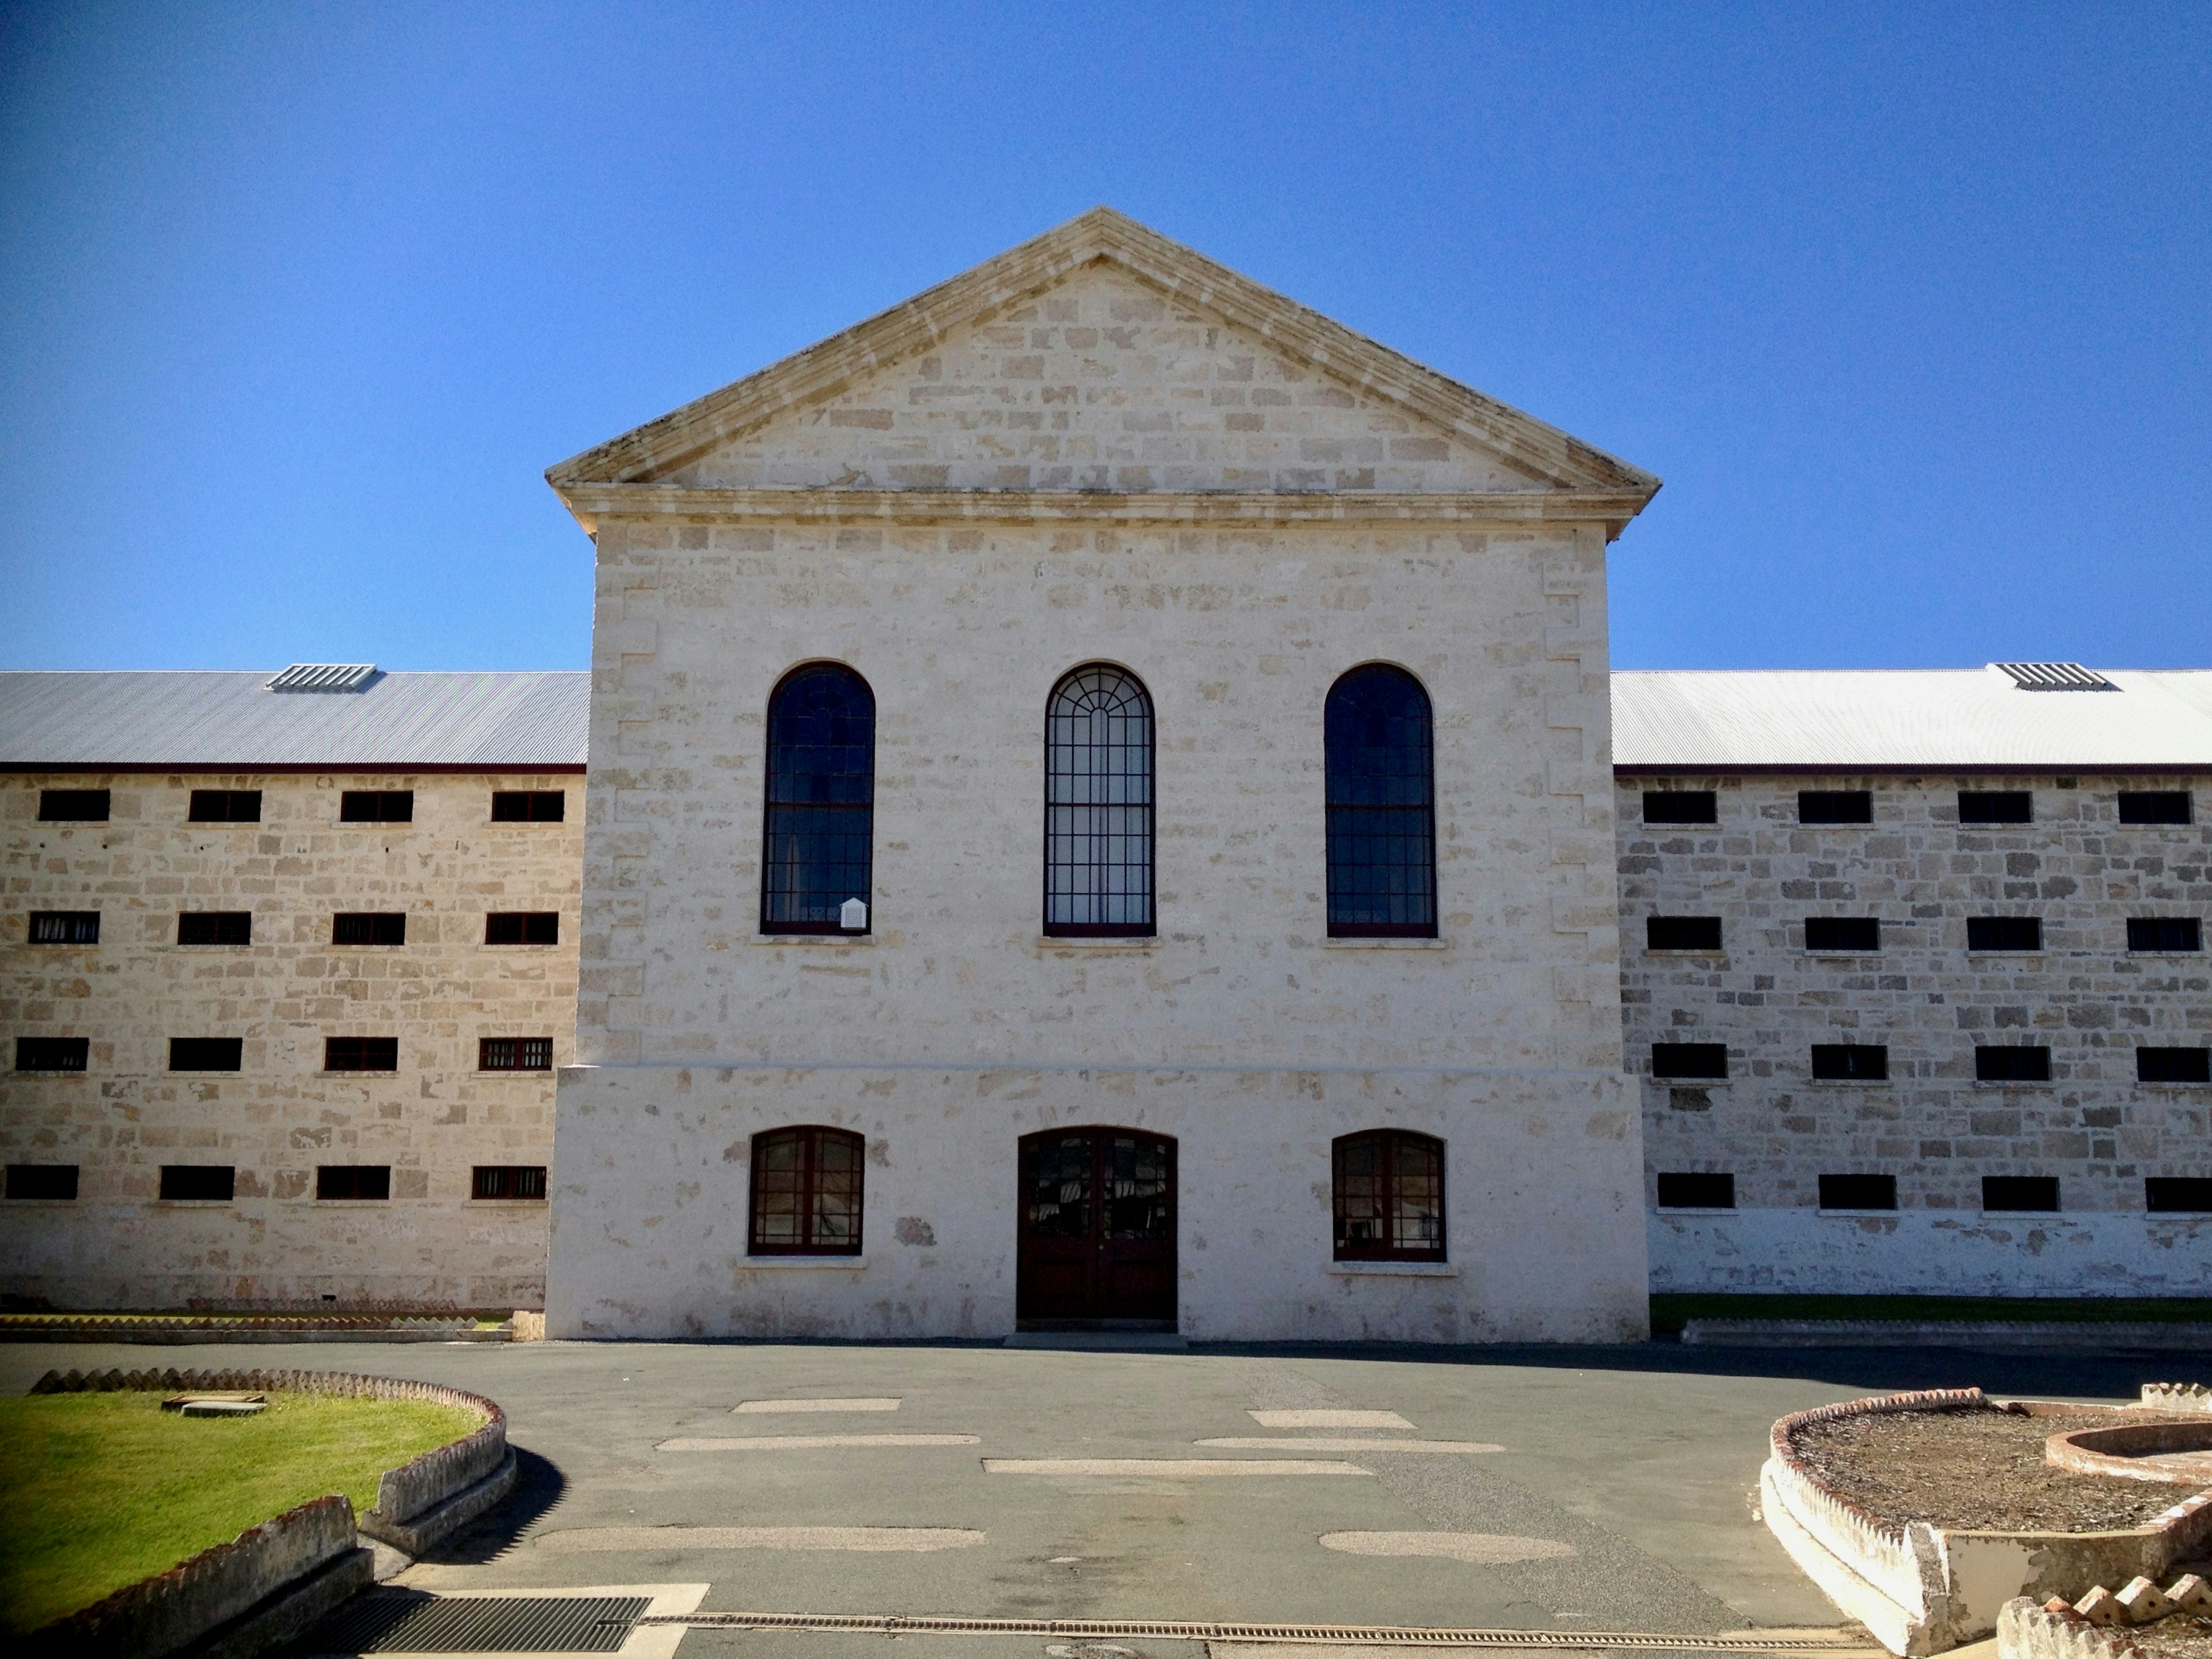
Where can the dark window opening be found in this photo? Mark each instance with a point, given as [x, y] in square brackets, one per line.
[1858, 1192]
[204, 1182]
[2016, 935]
[1705, 1059]
[73, 806]
[2156, 806]
[1680, 807]
[2022, 1193]
[1388, 1196]
[2178, 1194]
[1697, 1191]
[215, 927]
[1995, 806]
[361, 1053]
[818, 849]
[377, 807]
[53, 1054]
[226, 806]
[1098, 806]
[372, 1181]
[369, 928]
[65, 927]
[525, 1181]
[523, 927]
[2022, 1064]
[806, 1192]
[514, 1054]
[206, 1053]
[1683, 932]
[1851, 1062]
[2173, 1064]
[529, 806]
[1379, 802]
[1826, 933]
[2165, 935]
[51, 1182]
[1835, 806]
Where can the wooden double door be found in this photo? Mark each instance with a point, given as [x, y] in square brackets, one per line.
[1097, 1230]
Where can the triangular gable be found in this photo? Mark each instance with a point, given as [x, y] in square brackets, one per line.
[1106, 259]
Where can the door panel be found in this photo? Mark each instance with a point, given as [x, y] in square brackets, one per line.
[1097, 1228]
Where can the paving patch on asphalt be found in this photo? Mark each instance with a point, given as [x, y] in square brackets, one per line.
[1327, 1419]
[1171, 1468]
[860, 1540]
[1489, 1548]
[871, 1403]
[813, 1442]
[1338, 1443]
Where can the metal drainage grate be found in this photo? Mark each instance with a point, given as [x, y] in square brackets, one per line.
[408, 1621]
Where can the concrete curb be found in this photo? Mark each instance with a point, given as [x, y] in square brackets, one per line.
[193, 1335]
[2047, 1336]
[2026, 1630]
[444, 1518]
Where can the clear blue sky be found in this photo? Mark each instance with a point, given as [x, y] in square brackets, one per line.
[1908, 304]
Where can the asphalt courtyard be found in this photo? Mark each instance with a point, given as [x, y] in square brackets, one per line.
[1526, 1488]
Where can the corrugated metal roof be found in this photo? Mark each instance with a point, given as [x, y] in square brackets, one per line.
[201, 719]
[1838, 720]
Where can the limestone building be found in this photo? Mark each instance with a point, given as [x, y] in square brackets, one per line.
[1100, 811]
[286, 964]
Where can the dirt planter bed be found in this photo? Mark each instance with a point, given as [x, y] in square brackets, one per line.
[1886, 1518]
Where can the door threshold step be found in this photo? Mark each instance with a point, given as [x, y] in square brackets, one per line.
[1102, 1341]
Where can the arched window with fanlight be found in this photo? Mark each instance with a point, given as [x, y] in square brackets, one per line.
[1382, 806]
[1388, 1186]
[817, 848]
[806, 1191]
[1099, 805]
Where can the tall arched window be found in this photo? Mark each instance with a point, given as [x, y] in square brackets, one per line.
[806, 1190]
[1382, 814]
[1099, 805]
[1389, 1188]
[817, 849]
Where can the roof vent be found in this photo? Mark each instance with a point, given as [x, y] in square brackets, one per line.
[325, 677]
[2054, 676]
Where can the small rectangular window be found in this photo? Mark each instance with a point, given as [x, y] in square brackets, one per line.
[2156, 806]
[51, 1182]
[1858, 1192]
[377, 807]
[2012, 1064]
[203, 1183]
[50, 1053]
[1835, 806]
[2164, 935]
[523, 927]
[354, 1181]
[2173, 1064]
[206, 1053]
[1705, 1059]
[1680, 807]
[1995, 806]
[514, 1055]
[528, 805]
[1697, 1192]
[2014, 935]
[65, 927]
[72, 806]
[507, 1181]
[226, 806]
[1683, 932]
[215, 927]
[2178, 1194]
[2020, 1192]
[361, 1053]
[1840, 934]
[369, 928]
[1851, 1062]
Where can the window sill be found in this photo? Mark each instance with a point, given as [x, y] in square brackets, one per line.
[811, 941]
[1859, 1215]
[508, 1203]
[1681, 1209]
[1852, 1082]
[1838, 956]
[2141, 1084]
[1675, 950]
[1393, 1270]
[1689, 1082]
[851, 1264]
[1107, 943]
[2007, 956]
[2005, 1083]
[2018, 1215]
[1386, 944]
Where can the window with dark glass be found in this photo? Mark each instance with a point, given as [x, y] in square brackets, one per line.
[2173, 1064]
[818, 849]
[1381, 801]
[1680, 807]
[529, 806]
[2165, 935]
[522, 927]
[1694, 1060]
[1695, 1190]
[1835, 806]
[372, 1181]
[2178, 1194]
[73, 806]
[1844, 933]
[51, 1182]
[2021, 1063]
[523, 1181]
[2155, 807]
[53, 1054]
[361, 1053]
[1388, 1187]
[1851, 1062]
[1858, 1192]
[1098, 806]
[2009, 933]
[206, 1053]
[214, 1184]
[226, 806]
[372, 928]
[377, 807]
[1683, 932]
[514, 1054]
[215, 927]
[2021, 1192]
[65, 927]
[1995, 806]
[806, 1192]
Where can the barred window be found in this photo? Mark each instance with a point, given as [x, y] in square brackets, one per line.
[522, 927]
[1381, 805]
[226, 806]
[357, 1181]
[376, 806]
[361, 1053]
[374, 927]
[65, 927]
[818, 844]
[507, 1181]
[1389, 1186]
[214, 928]
[514, 1054]
[1098, 806]
[806, 1185]
[529, 806]
[73, 806]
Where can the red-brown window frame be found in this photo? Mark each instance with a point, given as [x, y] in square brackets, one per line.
[513, 1054]
[1386, 1249]
[811, 1137]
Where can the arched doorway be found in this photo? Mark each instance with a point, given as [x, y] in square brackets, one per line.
[1097, 1230]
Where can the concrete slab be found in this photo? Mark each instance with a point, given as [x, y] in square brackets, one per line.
[772, 1407]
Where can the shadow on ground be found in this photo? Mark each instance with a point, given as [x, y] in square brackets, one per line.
[539, 1488]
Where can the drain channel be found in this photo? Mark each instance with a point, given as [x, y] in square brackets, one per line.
[1364, 1635]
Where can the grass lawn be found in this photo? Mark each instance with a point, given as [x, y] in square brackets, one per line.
[97, 1491]
[1668, 1312]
